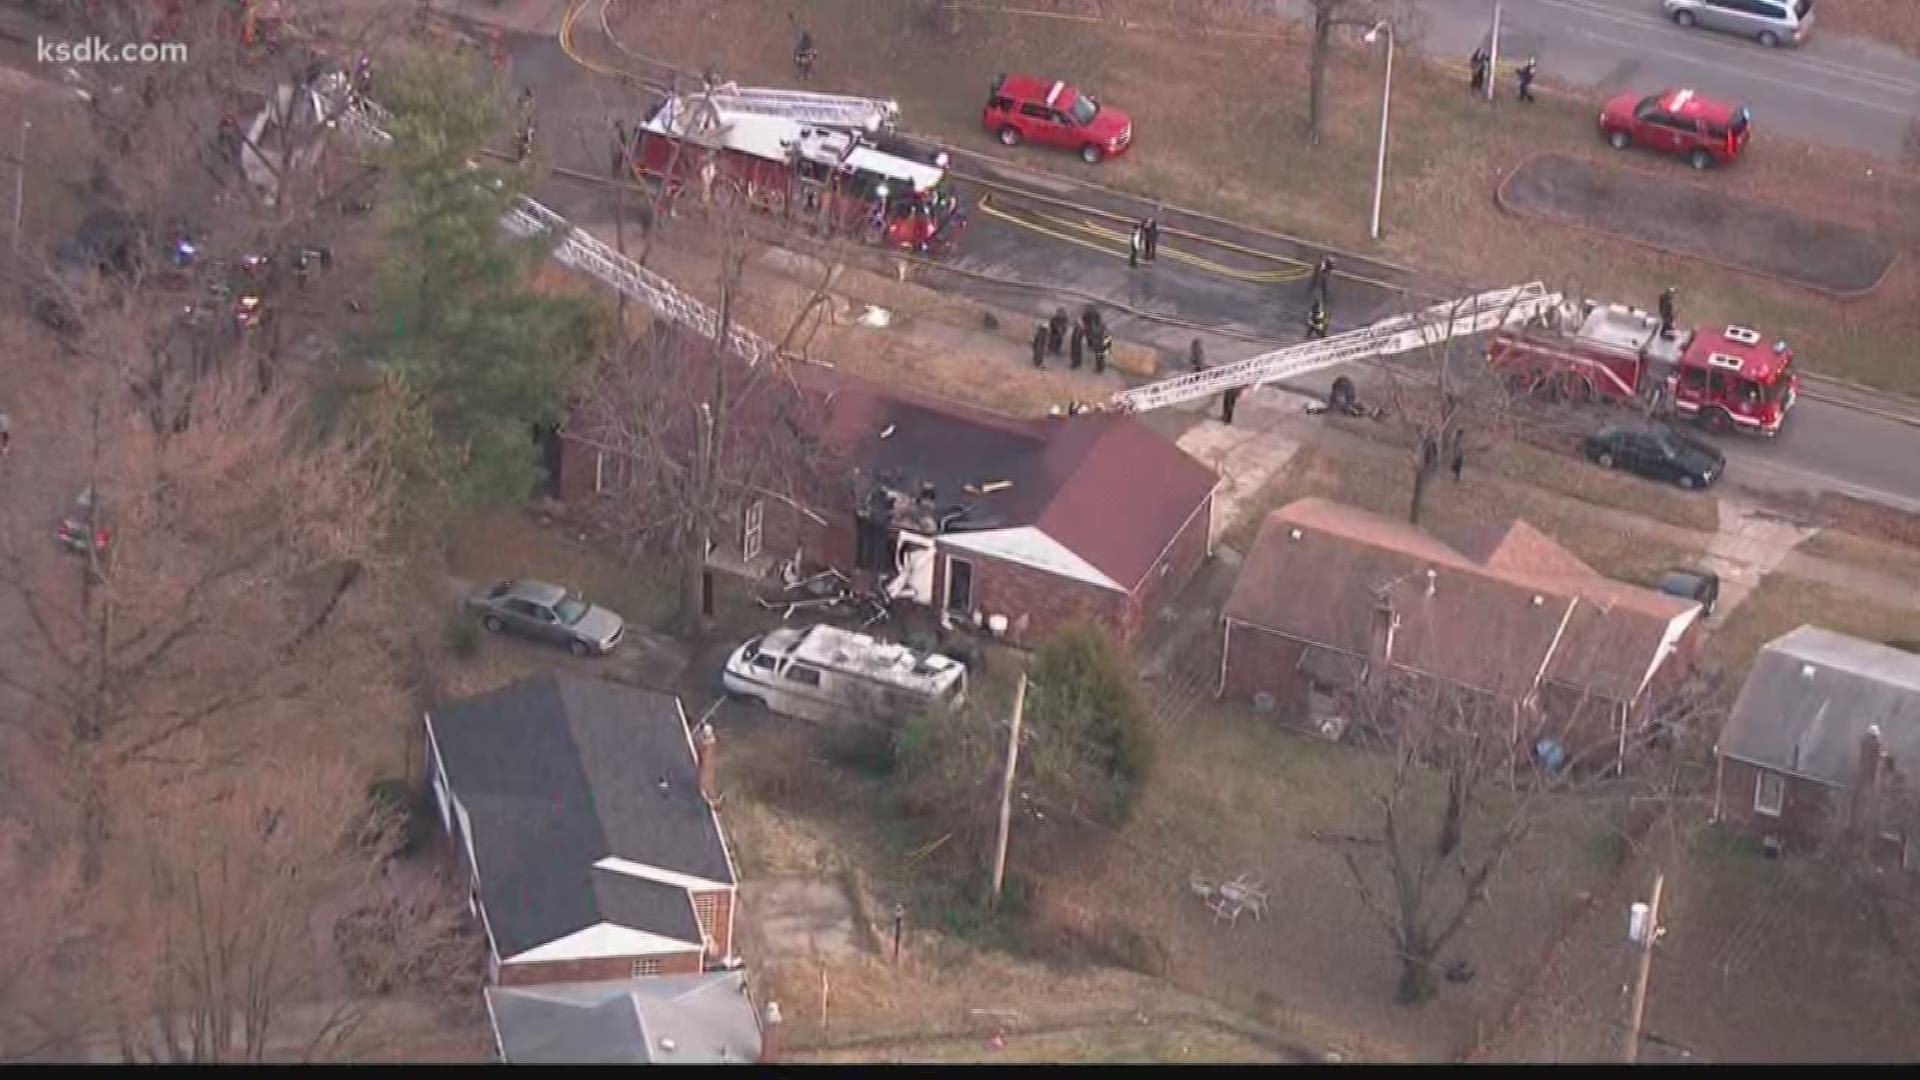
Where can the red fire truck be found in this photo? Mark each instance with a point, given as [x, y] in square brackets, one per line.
[815, 159]
[1726, 378]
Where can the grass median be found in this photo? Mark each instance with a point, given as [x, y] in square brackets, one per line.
[1218, 123]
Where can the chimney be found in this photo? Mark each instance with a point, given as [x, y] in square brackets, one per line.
[707, 755]
[770, 1034]
[1380, 644]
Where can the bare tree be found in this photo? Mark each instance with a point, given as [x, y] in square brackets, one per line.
[1325, 15]
[694, 432]
[1463, 777]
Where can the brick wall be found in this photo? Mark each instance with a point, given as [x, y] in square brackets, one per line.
[599, 969]
[1170, 575]
[719, 926]
[1808, 814]
[1258, 661]
[1047, 601]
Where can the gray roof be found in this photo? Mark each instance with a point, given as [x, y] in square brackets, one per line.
[706, 1019]
[558, 772]
[1810, 697]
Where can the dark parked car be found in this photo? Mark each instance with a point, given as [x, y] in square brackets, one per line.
[540, 610]
[1656, 453]
[1700, 586]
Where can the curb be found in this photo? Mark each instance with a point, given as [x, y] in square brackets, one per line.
[1507, 205]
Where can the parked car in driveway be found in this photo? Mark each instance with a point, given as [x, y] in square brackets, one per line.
[1021, 108]
[1700, 586]
[551, 613]
[1657, 453]
[1704, 131]
[1770, 22]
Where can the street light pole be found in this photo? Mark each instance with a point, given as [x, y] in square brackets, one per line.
[1386, 102]
[1649, 933]
[1493, 53]
[20, 186]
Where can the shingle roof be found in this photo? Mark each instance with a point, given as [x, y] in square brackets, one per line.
[1810, 697]
[1106, 487]
[705, 1019]
[1491, 621]
[558, 772]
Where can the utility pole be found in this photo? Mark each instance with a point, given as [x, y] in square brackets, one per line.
[1006, 794]
[1493, 53]
[20, 186]
[1648, 916]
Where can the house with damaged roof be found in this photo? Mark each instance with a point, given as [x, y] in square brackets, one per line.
[1332, 599]
[583, 816]
[983, 518]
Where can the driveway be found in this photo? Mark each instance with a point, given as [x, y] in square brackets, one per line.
[1837, 90]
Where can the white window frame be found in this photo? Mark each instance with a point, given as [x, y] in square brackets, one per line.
[1760, 802]
[751, 529]
[973, 581]
[644, 967]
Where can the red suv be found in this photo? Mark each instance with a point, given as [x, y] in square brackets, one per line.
[1021, 108]
[1682, 122]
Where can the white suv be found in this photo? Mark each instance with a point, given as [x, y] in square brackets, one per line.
[1771, 22]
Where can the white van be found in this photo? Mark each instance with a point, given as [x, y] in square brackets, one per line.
[823, 673]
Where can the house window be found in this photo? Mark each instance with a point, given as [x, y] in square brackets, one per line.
[750, 530]
[1769, 794]
[959, 586]
[644, 968]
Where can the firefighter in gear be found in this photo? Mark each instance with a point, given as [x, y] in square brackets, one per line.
[1322, 279]
[1150, 230]
[1102, 343]
[1317, 319]
[1057, 328]
[1479, 63]
[1136, 245]
[1196, 357]
[1040, 337]
[523, 147]
[1228, 400]
[1525, 76]
[1078, 348]
[1667, 300]
[804, 55]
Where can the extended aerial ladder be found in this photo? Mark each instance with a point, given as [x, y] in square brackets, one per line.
[577, 249]
[1480, 314]
[805, 106]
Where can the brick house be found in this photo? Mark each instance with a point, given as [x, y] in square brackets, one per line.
[970, 513]
[579, 812]
[1330, 595]
[1820, 743]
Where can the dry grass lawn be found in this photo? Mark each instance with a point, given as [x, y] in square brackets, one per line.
[1384, 485]
[1890, 22]
[516, 544]
[1248, 161]
[1153, 1041]
[1784, 602]
[1873, 554]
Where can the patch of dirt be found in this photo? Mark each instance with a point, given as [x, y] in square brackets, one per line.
[1698, 221]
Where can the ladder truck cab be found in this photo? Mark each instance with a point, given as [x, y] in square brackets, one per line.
[1725, 379]
[815, 159]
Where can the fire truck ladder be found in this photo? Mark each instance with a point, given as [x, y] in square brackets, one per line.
[806, 107]
[577, 249]
[1389, 337]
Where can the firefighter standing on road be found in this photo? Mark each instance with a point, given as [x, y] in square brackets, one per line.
[1040, 345]
[1525, 76]
[1136, 245]
[1196, 357]
[1667, 299]
[1102, 343]
[1322, 284]
[1057, 330]
[1317, 319]
[1079, 345]
[1229, 399]
[1151, 231]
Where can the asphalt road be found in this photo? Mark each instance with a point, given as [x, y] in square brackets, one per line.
[1833, 89]
[1017, 267]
